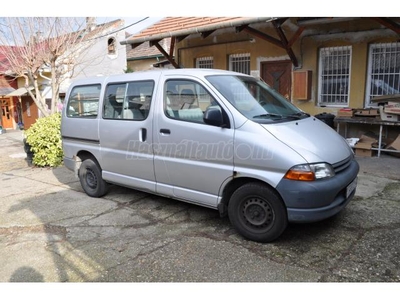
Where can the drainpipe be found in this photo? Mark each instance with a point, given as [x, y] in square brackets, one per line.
[41, 75]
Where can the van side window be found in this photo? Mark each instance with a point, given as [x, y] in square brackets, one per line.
[186, 100]
[128, 100]
[83, 101]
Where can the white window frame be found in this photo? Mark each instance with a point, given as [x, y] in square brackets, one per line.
[389, 79]
[205, 62]
[240, 63]
[341, 57]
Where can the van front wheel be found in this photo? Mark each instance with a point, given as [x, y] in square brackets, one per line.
[257, 212]
[91, 180]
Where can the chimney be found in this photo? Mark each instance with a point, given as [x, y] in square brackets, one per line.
[90, 23]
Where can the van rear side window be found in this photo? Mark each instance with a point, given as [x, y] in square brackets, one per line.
[83, 101]
[128, 100]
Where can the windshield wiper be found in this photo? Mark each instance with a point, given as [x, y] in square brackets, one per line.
[268, 116]
[298, 115]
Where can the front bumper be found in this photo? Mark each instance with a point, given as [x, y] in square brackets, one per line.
[320, 199]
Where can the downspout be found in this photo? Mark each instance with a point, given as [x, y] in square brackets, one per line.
[41, 75]
[47, 78]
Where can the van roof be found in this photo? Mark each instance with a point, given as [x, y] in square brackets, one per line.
[155, 73]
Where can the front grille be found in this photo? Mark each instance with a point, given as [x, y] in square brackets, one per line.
[342, 165]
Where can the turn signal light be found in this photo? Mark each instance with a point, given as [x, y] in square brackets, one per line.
[300, 175]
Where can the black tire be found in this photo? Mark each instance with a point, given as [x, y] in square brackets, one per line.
[257, 212]
[91, 179]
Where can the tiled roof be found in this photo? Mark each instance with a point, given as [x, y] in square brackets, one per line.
[175, 26]
[4, 64]
[5, 87]
[172, 24]
[145, 51]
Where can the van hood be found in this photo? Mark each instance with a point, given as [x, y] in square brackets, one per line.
[312, 139]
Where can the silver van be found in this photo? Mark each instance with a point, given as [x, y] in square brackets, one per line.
[215, 138]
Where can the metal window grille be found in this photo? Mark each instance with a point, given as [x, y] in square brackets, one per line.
[205, 62]
[334, 75]
[383, 70]
[240, 63]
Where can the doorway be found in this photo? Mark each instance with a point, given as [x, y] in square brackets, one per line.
[278, 74]
[7, 114]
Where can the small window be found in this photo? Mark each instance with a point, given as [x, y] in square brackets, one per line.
[334, 75]
[205, 62]
[83, 101]
[186, 100]
[128, 100]
[383, 70]
[240, 63]
[111, 46]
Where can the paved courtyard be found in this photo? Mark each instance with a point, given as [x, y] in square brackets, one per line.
[51, 231]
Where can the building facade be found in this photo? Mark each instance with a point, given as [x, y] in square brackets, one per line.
[319, 64]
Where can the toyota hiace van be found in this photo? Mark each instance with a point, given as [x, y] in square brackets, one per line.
[215, 138]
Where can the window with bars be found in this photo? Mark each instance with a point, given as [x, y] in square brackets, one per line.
[383, 70]
[334, 75]
[240, 63]
[205, 62]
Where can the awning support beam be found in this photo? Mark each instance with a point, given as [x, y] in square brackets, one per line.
[282, 43]
[285, 43]
[260, 35]
[167, 56]
[388, 23]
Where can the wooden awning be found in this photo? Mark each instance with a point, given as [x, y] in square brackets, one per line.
[181, 27]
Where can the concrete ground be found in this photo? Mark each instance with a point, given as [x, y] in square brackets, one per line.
[51, 231]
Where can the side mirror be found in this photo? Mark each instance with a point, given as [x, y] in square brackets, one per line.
[213, 116]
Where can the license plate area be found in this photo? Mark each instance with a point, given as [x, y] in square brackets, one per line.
[350, 188]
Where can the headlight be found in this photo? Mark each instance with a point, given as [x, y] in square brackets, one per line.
[310, 172]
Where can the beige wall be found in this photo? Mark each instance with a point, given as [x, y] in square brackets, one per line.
[141, 65]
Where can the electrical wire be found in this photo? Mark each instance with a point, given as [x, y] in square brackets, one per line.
[118, 30]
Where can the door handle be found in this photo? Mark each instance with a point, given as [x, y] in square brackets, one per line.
[164, 131]
[143, 134]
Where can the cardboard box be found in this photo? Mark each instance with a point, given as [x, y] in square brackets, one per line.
[392, 108]
[364, 145]
[366, 112]
[345, 112]
[395, 145]
[388, 117]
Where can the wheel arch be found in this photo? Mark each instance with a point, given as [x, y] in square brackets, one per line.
[81, 156]
[84, 154]
[232, 186]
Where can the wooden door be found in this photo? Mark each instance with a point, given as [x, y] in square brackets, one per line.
[278, 74]
[6, 114]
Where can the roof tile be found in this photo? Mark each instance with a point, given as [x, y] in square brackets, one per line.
[173, 24]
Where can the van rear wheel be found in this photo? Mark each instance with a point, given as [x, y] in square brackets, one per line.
[91, 179]
[257, 212]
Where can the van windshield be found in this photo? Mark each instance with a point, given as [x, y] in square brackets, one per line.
[255, 99]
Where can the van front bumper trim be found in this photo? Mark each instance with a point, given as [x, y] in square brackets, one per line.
[320, 199]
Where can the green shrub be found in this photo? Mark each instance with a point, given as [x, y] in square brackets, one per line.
[44, 138]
